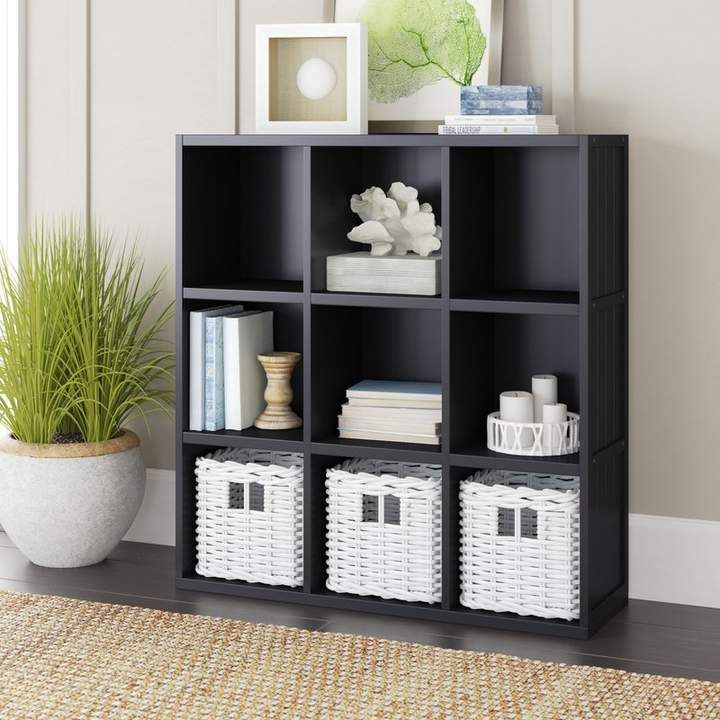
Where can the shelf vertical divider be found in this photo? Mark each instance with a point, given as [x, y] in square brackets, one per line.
[185, 500]
[313, 495]
[584, 338]
[450, 514]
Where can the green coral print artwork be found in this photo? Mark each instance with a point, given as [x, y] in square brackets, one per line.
[414, 43]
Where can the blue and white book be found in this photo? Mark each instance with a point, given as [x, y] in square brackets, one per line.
[214, 378]
[197, 362]
[501, 100]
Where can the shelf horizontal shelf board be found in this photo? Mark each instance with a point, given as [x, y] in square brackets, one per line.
[342, 601]
[422, 302]
[386, 140]
[480, 457]
[409, 452]
[520, 301]
[239, 587]
[273, 291]
[288, 440]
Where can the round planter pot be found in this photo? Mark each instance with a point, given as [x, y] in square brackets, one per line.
[70, 505]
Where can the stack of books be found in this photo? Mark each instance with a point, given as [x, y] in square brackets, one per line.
[500, 110]
[499, 125]
[227, 383]
[392, 411]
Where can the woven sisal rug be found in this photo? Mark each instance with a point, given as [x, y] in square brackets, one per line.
[69, 659]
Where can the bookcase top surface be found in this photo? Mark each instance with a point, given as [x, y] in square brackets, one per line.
[399, 140]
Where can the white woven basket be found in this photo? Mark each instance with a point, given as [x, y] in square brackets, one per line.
[519, 438]
[520, 543]
[384, 521]
[249, 516]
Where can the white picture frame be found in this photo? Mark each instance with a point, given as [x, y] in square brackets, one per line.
[271, 73]
[427, 107]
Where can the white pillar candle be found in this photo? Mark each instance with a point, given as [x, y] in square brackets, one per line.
[552, 415]
[544, 390]
[517, 406]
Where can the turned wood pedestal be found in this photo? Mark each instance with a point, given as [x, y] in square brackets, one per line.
[278, 415]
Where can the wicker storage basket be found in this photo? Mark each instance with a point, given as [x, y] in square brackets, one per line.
[249, 516]
[384, 530]
[520, 543]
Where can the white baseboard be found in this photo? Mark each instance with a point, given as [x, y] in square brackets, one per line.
[672, 560]
[675, 560]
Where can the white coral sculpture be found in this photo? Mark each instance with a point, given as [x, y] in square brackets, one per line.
[396, 223]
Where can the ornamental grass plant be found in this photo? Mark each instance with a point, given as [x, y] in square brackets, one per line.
[81, 348]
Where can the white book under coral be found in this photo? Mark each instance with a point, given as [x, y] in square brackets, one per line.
[245, 336]
[392, 274]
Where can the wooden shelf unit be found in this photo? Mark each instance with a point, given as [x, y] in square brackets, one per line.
[534, 279]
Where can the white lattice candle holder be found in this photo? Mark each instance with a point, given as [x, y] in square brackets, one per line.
[531, 438]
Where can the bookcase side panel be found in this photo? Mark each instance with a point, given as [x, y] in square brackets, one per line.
[607, 410]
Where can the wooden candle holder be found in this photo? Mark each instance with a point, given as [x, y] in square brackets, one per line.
[278, 415]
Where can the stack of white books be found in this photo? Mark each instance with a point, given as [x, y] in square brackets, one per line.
[392, 411]
[499, 125]
[227, 383]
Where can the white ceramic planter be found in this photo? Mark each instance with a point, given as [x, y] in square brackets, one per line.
[70, 505]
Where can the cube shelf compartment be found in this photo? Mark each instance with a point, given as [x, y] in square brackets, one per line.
[338, 173]
[515, 219]
[534, 279]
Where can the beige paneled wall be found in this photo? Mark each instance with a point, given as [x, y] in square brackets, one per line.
[158, 67]
[56, 107]
[651, 69]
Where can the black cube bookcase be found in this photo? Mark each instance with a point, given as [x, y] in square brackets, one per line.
[534, 279]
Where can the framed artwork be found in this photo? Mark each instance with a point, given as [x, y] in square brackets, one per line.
[311, 78]
[421, 51]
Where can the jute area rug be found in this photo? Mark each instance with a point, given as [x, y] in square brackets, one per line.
[69, 659]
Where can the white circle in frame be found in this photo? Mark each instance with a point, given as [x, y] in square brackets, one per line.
[316, 78]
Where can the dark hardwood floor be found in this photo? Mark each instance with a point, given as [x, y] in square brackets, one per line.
[648, 637]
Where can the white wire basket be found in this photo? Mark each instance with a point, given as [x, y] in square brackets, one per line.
[520, 543]
[518, 438]
[249, 516]
[384, 530]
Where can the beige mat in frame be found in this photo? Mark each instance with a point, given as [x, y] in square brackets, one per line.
[63, 658]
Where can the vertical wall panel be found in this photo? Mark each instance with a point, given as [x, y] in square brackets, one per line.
[56, 107]
[158, 68]
[674, 226]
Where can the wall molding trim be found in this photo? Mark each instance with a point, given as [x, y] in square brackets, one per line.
[13, 131]
[673, 560]
[563, 63]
